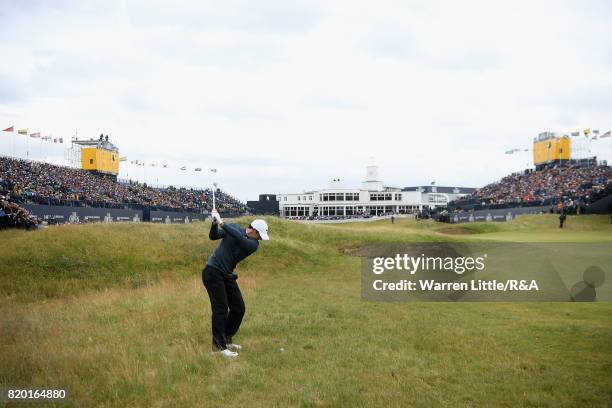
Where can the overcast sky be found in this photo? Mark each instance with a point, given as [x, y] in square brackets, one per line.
[283, 96]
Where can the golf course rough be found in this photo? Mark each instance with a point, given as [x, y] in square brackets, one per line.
[117, 315]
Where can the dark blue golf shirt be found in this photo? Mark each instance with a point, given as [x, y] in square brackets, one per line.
[234, 247]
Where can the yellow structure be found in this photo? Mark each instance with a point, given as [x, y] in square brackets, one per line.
[549, 148]
[100, 160]
[99, 156]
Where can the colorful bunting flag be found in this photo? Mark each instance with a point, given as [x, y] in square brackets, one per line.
[9, 129]
[36, 135]
[607, 134]
[23, 131]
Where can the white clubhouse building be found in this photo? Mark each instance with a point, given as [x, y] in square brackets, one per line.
[373, 198]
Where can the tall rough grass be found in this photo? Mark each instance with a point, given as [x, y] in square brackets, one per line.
[117, 315]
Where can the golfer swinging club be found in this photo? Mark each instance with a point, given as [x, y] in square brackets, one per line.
[220, 279]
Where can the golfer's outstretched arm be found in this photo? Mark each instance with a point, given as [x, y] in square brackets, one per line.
[215, 233]
[246, 243]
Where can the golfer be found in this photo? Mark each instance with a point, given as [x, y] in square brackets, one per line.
[219, 278]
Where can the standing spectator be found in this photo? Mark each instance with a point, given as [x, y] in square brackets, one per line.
[562, 217]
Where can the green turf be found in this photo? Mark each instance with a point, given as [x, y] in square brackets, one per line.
[118, 315]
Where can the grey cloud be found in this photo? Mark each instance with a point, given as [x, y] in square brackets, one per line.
[64, 75]
[567, 119]
[240, 54]
[327, 102]
[475, 59]
[594, 10]
[34, 6]
[572, 100]
[12, 91]
[262, 16]
[137, 102]
[90, 66]
[30, 15]
[398, 43]
[391, 43]
[267, 16]
[240, 112]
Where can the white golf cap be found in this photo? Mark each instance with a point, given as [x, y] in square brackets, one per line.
[262, 227]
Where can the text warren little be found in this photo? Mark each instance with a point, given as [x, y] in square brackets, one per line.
[475, 285]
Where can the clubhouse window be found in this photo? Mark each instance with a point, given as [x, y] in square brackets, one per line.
[294, 211]
[381, 197]
[331, 211]
[332, 197]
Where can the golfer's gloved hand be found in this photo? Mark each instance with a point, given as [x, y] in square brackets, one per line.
[216, 217]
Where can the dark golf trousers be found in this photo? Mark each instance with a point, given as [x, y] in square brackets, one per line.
[226, 304]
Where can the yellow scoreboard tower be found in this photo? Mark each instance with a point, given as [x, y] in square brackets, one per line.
[549, 148]
[99, 156]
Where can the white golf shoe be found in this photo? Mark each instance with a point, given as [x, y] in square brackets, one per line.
[228, 353]
[233, 346]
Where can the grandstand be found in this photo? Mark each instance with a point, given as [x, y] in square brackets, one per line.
[25, 182]
[571, 187]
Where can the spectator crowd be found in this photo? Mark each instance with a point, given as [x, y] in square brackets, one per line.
[23, 181]
[14, 216]
[570, 187]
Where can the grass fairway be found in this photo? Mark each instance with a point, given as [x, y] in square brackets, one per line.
[117, 314]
